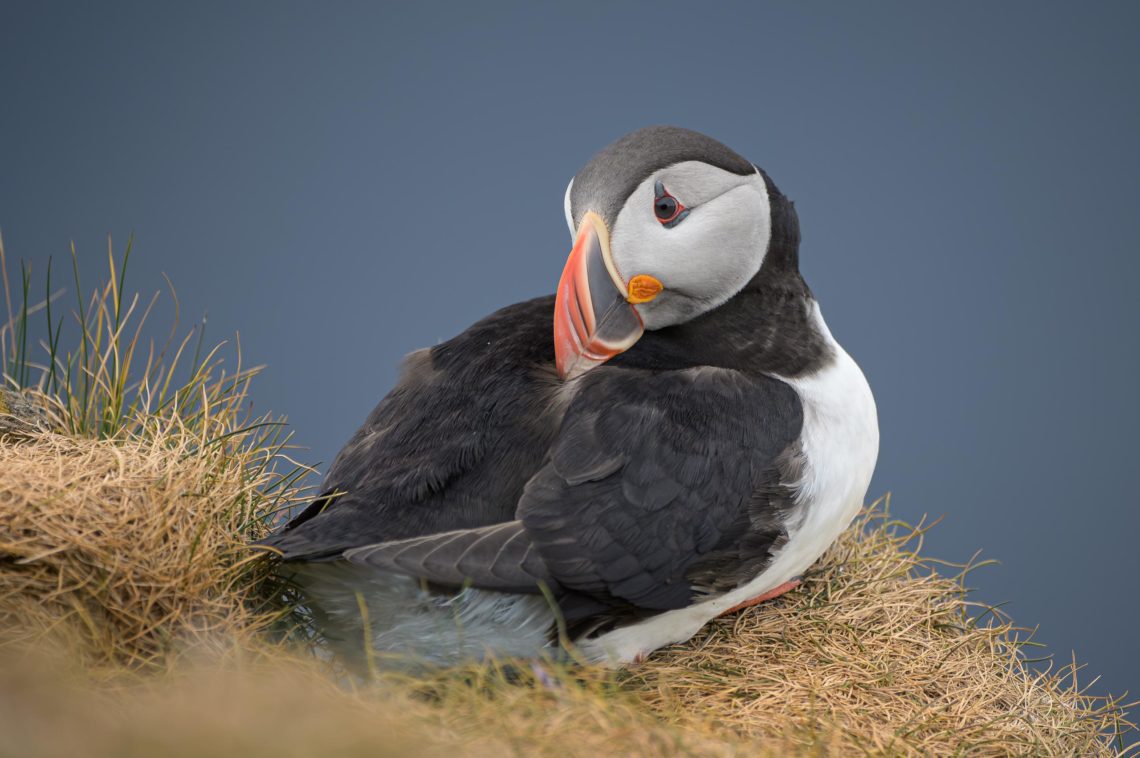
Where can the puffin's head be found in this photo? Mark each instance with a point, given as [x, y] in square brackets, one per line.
[667, 224]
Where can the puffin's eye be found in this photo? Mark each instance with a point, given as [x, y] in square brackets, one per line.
[667, 208]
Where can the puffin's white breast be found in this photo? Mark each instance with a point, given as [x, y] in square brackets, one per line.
[840, 444]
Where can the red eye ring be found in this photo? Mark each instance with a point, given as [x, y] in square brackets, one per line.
[668, 209]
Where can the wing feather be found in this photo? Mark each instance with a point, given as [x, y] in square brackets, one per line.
[497, 557]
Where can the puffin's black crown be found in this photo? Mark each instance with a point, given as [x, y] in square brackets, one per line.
[611, 176]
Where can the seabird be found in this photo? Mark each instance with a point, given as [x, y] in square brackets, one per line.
[672, 436]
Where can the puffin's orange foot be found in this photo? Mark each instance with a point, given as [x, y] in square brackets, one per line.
[774, 592]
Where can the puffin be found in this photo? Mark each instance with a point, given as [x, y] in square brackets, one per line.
[672, 436]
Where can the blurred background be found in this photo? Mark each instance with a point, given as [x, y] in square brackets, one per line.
[343, 183]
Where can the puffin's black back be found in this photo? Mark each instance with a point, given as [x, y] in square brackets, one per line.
[450, 447]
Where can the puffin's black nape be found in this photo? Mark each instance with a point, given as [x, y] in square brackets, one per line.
[784, 245]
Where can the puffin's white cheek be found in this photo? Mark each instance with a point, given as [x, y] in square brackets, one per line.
[702, 262]
[714, 258]
[711, 261]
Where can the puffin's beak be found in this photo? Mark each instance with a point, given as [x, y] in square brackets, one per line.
[593, 321]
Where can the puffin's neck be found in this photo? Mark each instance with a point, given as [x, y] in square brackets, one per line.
[766, 328]
[769, 327]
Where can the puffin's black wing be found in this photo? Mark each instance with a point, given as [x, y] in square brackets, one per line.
[450, 447]
[655, 478]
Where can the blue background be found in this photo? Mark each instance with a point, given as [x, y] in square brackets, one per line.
[345, 183]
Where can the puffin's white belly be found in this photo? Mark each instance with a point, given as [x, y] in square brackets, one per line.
[840, 443]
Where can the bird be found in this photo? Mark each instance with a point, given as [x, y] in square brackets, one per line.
[672, 436]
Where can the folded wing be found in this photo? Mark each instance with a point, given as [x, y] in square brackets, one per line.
[652, 476]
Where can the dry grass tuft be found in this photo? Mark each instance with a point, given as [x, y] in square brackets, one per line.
[133, 478]
[127, 547]
[880, 652]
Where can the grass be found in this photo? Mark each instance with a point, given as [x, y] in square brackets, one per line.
[131, 610]
[126, 509]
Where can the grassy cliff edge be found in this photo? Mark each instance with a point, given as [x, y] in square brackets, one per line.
[132, 480]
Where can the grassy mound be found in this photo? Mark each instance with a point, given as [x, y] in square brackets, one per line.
[880, 652]
[123, 527]
[125, 549]
[133, 480]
